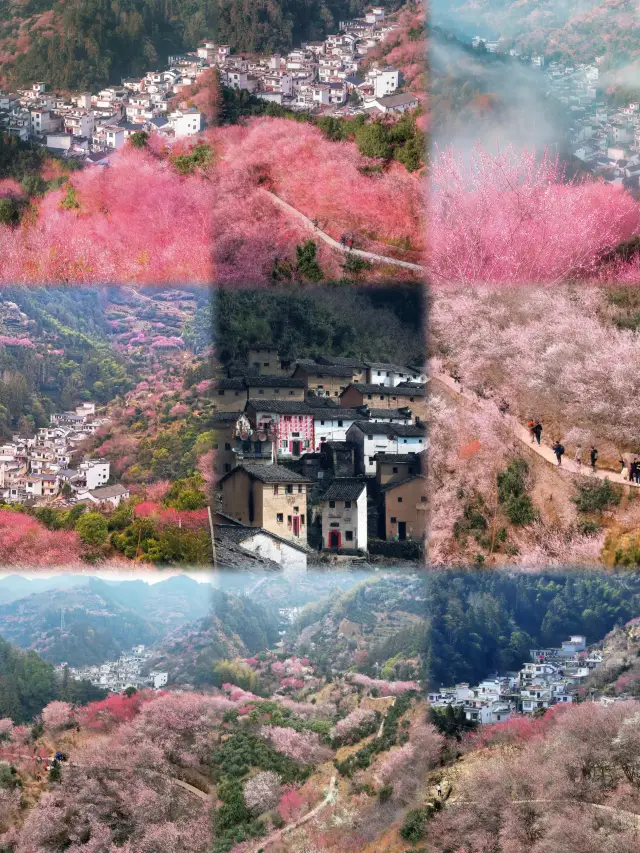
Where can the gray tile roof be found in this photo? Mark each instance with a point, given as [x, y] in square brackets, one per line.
[234, 383]
[386, 391]
[388, 414]
[226, 416]
[347, 489]
[282, 407]
[397, 458]
[338, 414]
[385, 365]
[389, 486]
[391, 101]
[322, 402]
[267, 473]
[108, 492]
[274, 382]
[240, 533]
[321, 370]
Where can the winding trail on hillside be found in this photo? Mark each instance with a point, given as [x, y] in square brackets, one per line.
[202, 795]
[330, 797]
[384, 717]
[454, 388]
[370, 256]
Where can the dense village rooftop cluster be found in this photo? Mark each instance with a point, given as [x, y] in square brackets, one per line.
[606, 138]
[129, 670]
[89, 126]
[324, 76]
[551, 678]
[319, 455]
[51, 467]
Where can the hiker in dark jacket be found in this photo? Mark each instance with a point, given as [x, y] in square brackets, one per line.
[537, 431]
[558, 449]
[594, 457]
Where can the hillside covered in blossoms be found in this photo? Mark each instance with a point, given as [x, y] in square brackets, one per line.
[142, 359]
[502, 360]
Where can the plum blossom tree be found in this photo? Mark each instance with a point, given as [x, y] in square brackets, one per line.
[395, 764]
[27, 543]
[290, 806]
[353, 721]
[304, 747]
[385, 688]
[263, 791]
[512, 219]
[57, 715]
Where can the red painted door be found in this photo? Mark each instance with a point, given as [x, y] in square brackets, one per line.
[334, 539]
[296, 525]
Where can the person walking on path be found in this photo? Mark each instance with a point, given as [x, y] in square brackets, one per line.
[537, 431]
[531, 427]
[578, 457]
[439, 790]
[558, 449]
[343, 241]
[594, 457]
[624, 473]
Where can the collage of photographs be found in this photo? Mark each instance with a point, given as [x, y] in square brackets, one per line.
[319, 426]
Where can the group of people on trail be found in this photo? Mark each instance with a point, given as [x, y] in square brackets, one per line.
[558, 449]
[631, 472]
[346, 242]
[535, 430]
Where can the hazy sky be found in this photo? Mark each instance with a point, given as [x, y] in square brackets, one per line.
[150, 576]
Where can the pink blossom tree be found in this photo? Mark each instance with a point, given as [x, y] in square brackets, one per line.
[262, 791]
[511, 218]
[57, 715]
[304, 747]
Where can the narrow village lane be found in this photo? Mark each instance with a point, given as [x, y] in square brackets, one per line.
[379, 259]
[521, 432]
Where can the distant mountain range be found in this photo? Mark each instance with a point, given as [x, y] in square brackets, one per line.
[84, 620]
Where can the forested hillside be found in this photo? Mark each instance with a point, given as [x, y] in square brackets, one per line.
[27, 684]
[56, 356]
[277, 27]
[95, 628]
[85, 44]
[483, 622]
[381, 324]
[235, 627]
